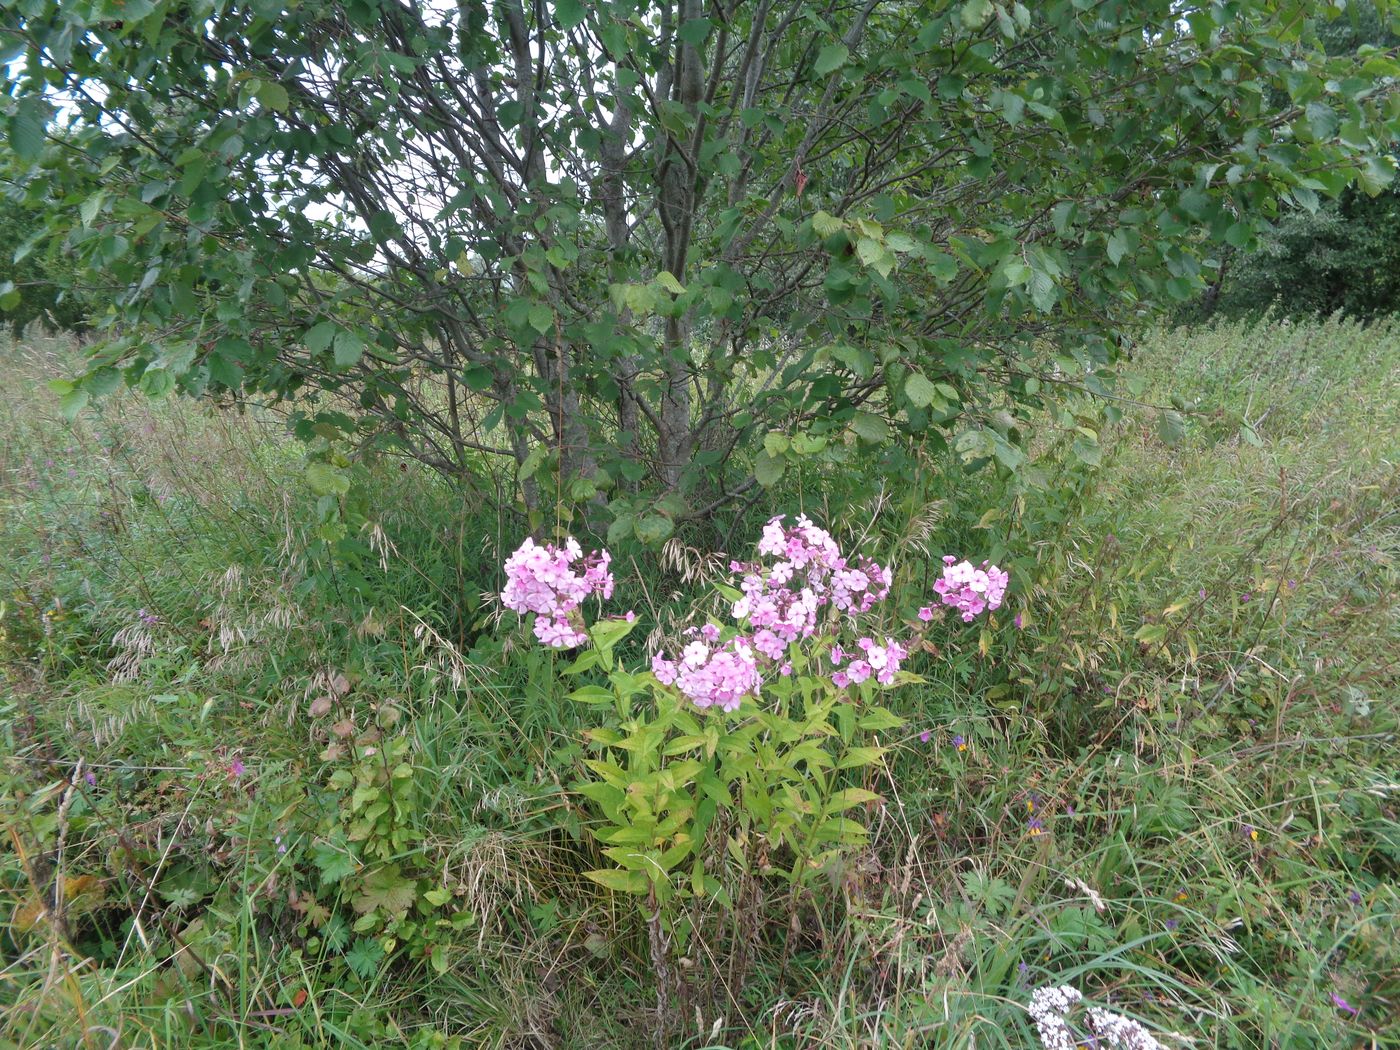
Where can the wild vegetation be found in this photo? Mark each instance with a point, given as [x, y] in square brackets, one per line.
[679, 524]
[258, 795]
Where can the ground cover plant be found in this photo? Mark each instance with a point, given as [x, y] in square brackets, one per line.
[263, 787]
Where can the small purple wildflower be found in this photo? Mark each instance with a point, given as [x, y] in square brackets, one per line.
[91, 778]
[1069, 810]
[1343, 1005]
[1203, 592]
[236, 768]
[924, 736]
[1018, 622]
[1250, 832]
[1354, 897]
[1171, 924]
[1246, 596]
[1034, 826]
[960, 742]
[1292, 585]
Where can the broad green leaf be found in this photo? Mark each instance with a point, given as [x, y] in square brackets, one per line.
[318, 339]
[825, 225]
[621, 881]
[349, 348]
[974, 14]
[28, 122]
[920, 390]
[768, 469]
[870, 427]
[831, 58]
[326, 480]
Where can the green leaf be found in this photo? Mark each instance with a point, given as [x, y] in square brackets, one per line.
[874, 255]
[653, 529]
[619, 880]
[975, 14]
[349, 348]
[768, 469]
[920, 390]
[386, 891]
[334, 861]
[694, 31]
[570, 13]
[831, 58]
[72, 403]
[1171, 427]
[592, 694]
[326, 480]
[860, 756]
[274, 96]
[27, 127]
[668, 281]
[318, 339]
[870, 427]
[825, 225]
[541, 317]
[844, 800]
[88, 210]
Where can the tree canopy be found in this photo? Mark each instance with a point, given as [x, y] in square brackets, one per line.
[652, 253]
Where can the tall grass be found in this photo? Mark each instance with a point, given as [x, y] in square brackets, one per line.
[1196, 706]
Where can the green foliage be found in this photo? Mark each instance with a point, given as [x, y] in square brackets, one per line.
[36, 280]
[1342, 257]
[598, 251]
[1219, 838]
[698, 806]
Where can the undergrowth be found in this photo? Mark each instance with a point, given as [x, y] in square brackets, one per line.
[258, 796]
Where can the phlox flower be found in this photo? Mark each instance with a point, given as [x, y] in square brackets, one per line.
[970, 589]
[545, 580]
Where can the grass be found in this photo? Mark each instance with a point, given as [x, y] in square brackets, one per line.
[1198, 709]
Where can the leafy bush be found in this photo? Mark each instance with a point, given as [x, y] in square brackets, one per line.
[649, 256]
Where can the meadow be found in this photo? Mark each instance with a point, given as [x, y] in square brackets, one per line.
[258, 796]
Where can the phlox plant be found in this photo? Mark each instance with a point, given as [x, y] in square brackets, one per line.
[743, 754]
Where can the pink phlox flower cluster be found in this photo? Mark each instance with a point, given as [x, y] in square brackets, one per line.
[970, 589]
[1050, 1007]
[552, 582]
[877, 661]
[809, 574]
[711, 675]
